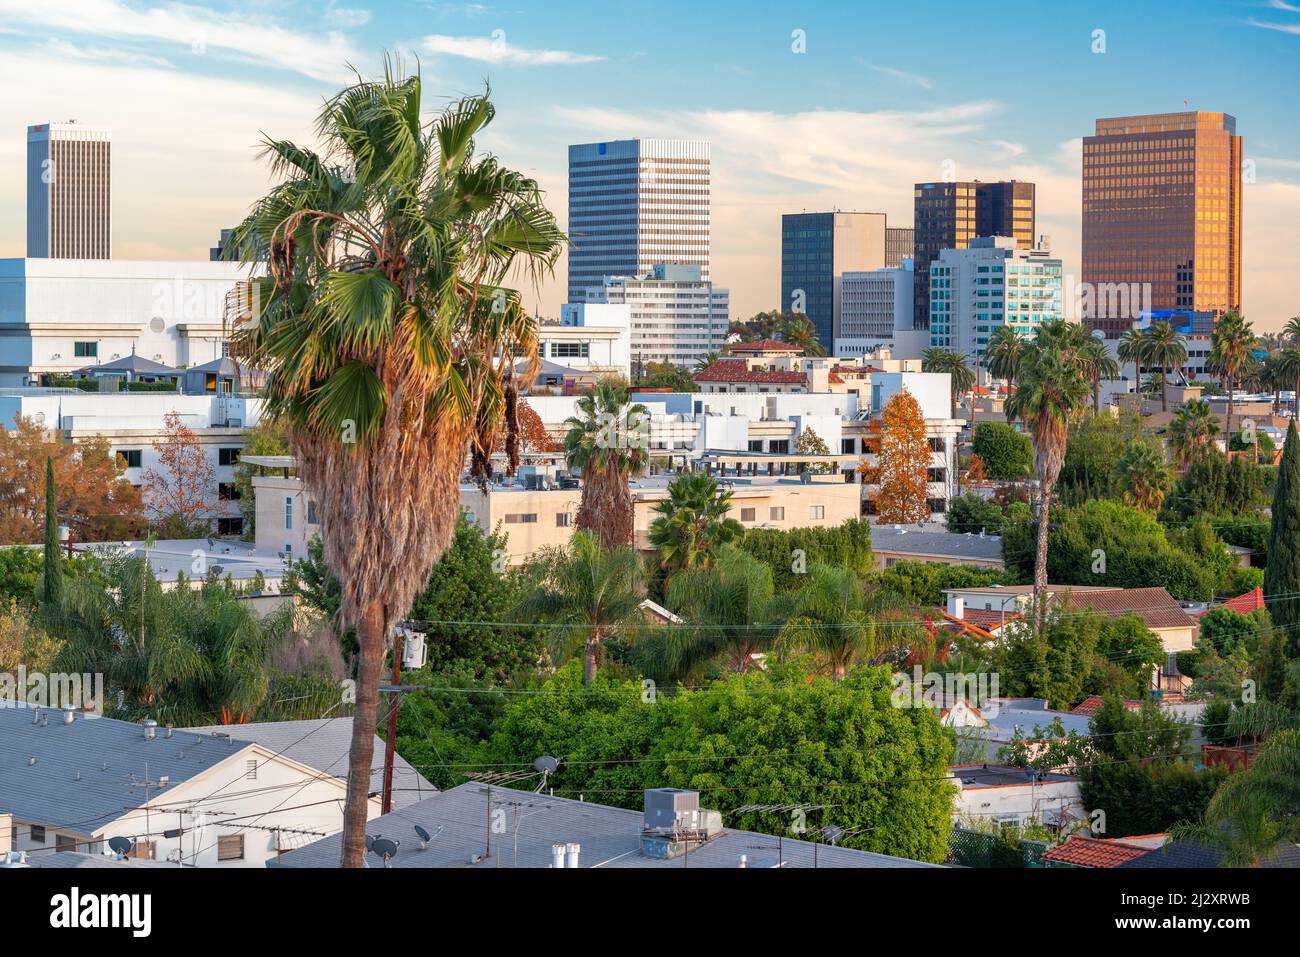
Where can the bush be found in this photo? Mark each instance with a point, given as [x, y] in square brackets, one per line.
[923, 583]
[1007, 454]
[846, 546]
[974, 513]
[1148, 799]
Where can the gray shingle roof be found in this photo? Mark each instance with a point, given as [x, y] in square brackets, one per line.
[323, 744]
[609, 836]
[78, 859]
[913, 541]
[1192, 854]
[87, 773]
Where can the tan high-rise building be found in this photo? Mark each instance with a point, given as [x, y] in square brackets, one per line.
[1161, 217]
[69, 192]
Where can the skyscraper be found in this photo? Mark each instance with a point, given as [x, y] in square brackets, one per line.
[950, 215]
[634, 204]
[69, 196]
[899, 245]
[1162, 212]
[816, 250]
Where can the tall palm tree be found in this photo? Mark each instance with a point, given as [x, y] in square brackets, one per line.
[390, 342]
[1231, 355]
[961, 378]
[1165, 349]
[1053, 391]
[1144, 476]
[844, 624]
[608, 442]
[1098, 364]
[706, 360]
[692, 523]
[1192, 431]
[799, 331]
[1006, 350]
[596, 593]
[1131, 349]
[1286, 368]
[1292, 330]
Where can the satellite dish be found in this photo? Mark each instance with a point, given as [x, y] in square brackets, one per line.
[385, 848]
[833, 834]
[120, 846]
[546, 764]
[370, 842]
[425, 836]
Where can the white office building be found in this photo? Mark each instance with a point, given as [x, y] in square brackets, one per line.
[989, 284]
[69, 191]
[676, 314]
[875, 310]
[58, 316]
[633, 204]
[591, 337]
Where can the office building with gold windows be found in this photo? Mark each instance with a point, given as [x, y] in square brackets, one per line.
[1161, 217]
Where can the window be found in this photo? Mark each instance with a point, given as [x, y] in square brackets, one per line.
[143, 850]
[847, 446]
[227, 491]
[816, 511]
[755, 445]
[129, 457]
[779, 446]
[563, 519]
[748, 514]
[570, 350]
[250, 773]
[64, 842]
[37, 834]
[230, 526]
[288, 512]
[312, 517]
[523, 518]
[937, 445]
[776, 513]
[230, 847]
[85, 350]
[228, 456]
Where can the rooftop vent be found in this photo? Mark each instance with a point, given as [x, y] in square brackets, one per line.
[69, 714]
[150, 729]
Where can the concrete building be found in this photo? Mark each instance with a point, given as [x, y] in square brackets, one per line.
[875, 307]
[633, 204]
[69, 191]
[948, 215]
[992, 282]
[59, 315]
[816, 250]
[900, 244]
[1015, 796]
[593, 337]
[676, 314]
[1162, 201]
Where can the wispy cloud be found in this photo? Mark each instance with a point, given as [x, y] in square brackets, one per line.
[915, 79]
[1292, 28]
[496, 49]
[199, 31]
[347, 17]
[1283, 5]
[70, 51]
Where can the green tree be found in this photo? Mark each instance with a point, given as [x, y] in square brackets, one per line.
[1282, 574]
[1165, 349]
[391, 342]
[53, 591]
[923, 583]
[960, 375]
[692, 523]
[1231, 354]
[1006, 350]
[974, 513]
[810, 443]
[1192, 432]
[788, 553]
[1098, 364]
[799, 331]
[1144, 475]
[608, 442]
[268, 437]
[1007, 454]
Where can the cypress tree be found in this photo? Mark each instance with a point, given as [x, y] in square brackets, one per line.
[53, 561]
[1282, 574]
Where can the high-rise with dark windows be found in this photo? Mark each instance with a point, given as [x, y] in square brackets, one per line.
[816, 250]
[949, 215]
[1161, 218]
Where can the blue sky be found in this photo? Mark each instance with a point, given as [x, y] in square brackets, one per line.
[881, 96]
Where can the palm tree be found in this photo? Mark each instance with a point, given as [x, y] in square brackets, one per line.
[1131, 349]
[961, 378]
[1165, 349]
[1292, 330]
[1192, 431]
[1286, 369]
[1053, 390]
[1006, 350]
[1098, 364]
[833, 616]
[692, 523]
[608, 442]
[706, 360]
[1231, 355]
[1144, 476]
[594, 592]
[799, 331]
[390, 343]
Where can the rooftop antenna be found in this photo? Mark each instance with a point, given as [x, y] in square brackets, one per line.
[121, 846]
[547, 765]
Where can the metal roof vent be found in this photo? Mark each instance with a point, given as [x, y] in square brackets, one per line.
[69, 714]
[150, 729]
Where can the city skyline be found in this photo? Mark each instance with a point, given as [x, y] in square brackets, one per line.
[871, 106]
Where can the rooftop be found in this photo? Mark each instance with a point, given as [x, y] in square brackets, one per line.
[933, 539]
[975, 776]
[170, 557]
[736, 370]
[609, 837]
[1093, 852]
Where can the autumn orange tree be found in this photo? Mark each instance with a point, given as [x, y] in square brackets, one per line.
[94, 498]
[531, 435]
[902, 461]
[179, 490]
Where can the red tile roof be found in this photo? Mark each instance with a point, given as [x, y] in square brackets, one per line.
[1253, 600]
[988, 620]
[1155, 606]
[735, 370]
[1092, 704]
[1093, 852]
[762, 345]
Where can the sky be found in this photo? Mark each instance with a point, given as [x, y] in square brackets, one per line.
[808, 106]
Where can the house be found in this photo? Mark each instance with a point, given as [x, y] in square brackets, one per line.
[74, 781]
[1015, 796]
[932, 542]
[540, 830]
[1248, 603]
[1093, 852]
[1004, 717]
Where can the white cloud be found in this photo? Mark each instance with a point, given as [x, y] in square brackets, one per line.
[497, 49]
[197, 30]
[347, 16]
[1292, 28]
[915, 79]
[65, 51]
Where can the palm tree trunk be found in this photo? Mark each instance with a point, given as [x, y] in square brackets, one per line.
[1164, 388]
[1096, 393]
[1040, 557]
[356, 809]
[589, 664]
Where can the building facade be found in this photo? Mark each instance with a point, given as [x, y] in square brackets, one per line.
[1161, 217]
[875, 306]
[816, 250]
[69, 192]
[633, 204]
[900, 243]
[949, 215]
[991, 283]
[592, 337]
[676, 314]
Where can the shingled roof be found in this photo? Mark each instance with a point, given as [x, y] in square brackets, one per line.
[1156, 607]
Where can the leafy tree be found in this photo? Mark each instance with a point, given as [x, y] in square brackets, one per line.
[1094, 445]
[974, 513]
[902, 462]
[788, 553]
[1214, 486]
[810, 443]
[923, 583]
[665, 375]
[1226, 629]
[1282, 574]
[23, 641]
[592, 592]
[744, 740]
[692, 523]
[1148, 798]
[799, 331]
[1192, 432]
[388, 333]
[608, 442]
[1007, 454]
[180, 489]
[53, 590]
[1145, 477]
